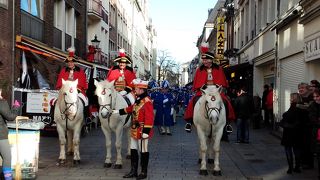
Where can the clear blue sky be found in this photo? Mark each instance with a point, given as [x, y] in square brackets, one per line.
[179, 23]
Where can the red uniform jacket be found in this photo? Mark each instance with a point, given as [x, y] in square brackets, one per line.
[143, 117]
[77, 74]
[129, 75]
[201, 78]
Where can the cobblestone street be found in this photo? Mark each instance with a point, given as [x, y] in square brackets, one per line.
[174, 157]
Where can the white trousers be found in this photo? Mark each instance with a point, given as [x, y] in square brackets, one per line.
[139, 144]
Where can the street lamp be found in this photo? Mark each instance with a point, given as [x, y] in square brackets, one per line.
[94, 49]
[95, 42]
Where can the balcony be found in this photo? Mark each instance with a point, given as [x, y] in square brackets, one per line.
[57, 38]
[95, 10]
[32, 26]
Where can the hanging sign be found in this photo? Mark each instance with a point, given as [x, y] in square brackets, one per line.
[220, 38]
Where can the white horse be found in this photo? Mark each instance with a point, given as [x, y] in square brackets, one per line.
[68, 115]
[210, 118]
[109, 99]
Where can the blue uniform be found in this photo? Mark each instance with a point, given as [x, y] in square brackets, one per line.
[163, 115]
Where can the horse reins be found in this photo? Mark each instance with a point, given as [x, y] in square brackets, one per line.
[68, 106]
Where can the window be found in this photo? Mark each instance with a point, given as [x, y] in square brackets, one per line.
[34, 7]
[4, 3]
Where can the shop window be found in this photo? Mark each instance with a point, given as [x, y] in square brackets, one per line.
[4, 3]
[34, 7]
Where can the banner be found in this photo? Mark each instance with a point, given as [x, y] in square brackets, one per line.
[220, 38]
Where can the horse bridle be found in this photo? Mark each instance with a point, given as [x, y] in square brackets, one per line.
[68, 106]
[105, 106]
[210, 109]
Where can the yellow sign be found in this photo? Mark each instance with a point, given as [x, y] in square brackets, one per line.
[220, 38]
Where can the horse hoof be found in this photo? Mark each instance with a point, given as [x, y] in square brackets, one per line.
[128, 157]
[107, 165]
[61, 162]
[217, 173]
[69, 153]
[76, 162]
[199, 161]
[203, 172]
[210, 161]
[117, 166]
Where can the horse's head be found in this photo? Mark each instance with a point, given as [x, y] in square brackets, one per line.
[213, 103]
[104, 90]
[69, 91]
[68, 95]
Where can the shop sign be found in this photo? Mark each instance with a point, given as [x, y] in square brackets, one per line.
[220, 37]
[312, 48]
[39, 102]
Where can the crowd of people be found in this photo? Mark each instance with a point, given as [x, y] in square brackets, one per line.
[301, 128]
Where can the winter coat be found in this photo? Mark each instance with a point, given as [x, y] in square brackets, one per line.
[291, 123]
[5, 114]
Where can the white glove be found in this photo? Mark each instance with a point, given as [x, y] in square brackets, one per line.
[145, 136]
[171, 113]
[165, 100]
[123, 92]
[115, 111]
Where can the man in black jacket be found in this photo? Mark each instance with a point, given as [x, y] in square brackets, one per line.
[243, 106]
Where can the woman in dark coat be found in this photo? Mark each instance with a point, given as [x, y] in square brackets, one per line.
[292, 137]
[314, 115]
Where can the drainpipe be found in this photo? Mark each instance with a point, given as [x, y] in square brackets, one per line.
[277, 84]
[13, 52]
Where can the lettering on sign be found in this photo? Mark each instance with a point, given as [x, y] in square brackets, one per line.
[220, 37]
[312, 49]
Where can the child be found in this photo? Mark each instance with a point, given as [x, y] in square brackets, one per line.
[292, 137]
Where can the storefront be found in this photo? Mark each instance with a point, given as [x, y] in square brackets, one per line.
[40, 66]
[240, 75]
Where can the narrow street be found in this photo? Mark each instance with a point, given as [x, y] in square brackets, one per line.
[174, 157]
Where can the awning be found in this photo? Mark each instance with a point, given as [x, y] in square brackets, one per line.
[28, 44]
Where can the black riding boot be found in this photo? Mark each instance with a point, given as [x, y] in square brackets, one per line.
[144, 165]
[134, 164]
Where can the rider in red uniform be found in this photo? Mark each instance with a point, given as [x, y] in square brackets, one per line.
[72, 72]
[122, 74]
[208, 73]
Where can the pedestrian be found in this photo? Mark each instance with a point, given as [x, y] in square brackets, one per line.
[257, 114]
[243, 106]
[269, 106]
[263, 103]
[141, 128]
[314, 84]
[5, 152]
[292, 136]
[122, 74]
[163, 103]
[306, 152]
[209, 73]
[72, 72]
[314, 115]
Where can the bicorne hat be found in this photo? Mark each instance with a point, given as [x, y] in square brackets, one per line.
[70, 57]
[123, 57]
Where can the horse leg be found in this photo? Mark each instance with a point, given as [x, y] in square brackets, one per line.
[119, 132]
[216, 149]
[203, 150]
[210, 150]
[62, 140]
[70, 149]
[128, 144]
[107, 133]
[76, 143]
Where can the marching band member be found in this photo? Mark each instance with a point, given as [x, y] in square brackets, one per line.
[141, 128]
